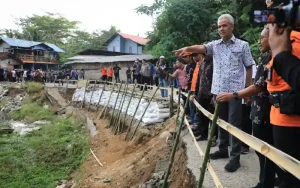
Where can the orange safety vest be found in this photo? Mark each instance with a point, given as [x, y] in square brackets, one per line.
[196, 76]
[110, 73]
[103, 71]
[278, 84]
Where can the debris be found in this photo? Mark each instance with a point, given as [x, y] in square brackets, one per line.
[96, 158]
[107, 180]
[164, 135]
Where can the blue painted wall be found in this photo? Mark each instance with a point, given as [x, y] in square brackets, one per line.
[116, 42]
[133, 45]
[122, 45]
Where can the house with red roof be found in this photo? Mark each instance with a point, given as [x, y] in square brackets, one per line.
[121, 42]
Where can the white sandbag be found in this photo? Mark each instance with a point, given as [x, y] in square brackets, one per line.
[148, 121]
[163, 115]
[163, 110]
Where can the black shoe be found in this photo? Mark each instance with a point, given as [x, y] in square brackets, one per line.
[245, 150]
[258, 186]
[196, 134]
[232, 166]
[218, 155]
[277, 182]
[201, 138]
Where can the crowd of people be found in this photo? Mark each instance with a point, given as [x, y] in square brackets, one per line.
[40, 75]
[252, 96]
[223, 71]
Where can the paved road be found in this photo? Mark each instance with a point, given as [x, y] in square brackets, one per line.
[245, 177]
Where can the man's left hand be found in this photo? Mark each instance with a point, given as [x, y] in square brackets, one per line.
[224, 97]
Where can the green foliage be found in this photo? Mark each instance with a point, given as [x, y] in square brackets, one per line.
[34, 87]
[31, 112]
[181, 23]
[44, 157]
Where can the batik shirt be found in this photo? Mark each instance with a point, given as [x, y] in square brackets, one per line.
[260, 107]
[229, 61]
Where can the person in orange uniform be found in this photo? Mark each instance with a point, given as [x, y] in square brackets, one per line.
[285, 113]
[104, 73]
[110, 73]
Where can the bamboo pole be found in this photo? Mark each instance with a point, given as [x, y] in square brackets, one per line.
[131, 96]
[96, 158]
[171, 101]
[91, 96]
[115, 121]
[103, 112]
[84, 94]
[143, 114]
[208, 147]
[129, 127]
[113, 112]
[118, 121]
[165, 185]
[98, 104]
[178, 112]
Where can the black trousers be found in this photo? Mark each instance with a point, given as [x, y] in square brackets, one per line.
[287, 139]
[145, 80]
[263, 131]
[246, 121]
[104, 77]
[204, 121]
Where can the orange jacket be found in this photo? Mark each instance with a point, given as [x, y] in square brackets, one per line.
[195, 78]
[278, 84]
[110, 72]
[103, 71]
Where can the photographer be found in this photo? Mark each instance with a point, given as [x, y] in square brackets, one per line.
[283, 86]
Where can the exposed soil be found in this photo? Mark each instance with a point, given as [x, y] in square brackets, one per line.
[128, 164]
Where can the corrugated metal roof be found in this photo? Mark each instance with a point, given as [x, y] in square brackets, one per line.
[19, 42]
[111, 59]
[81, 57]
[55, 48]
[28, 44]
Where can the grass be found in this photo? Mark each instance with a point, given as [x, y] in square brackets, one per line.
[44, 157]
[34, 87]
[31, 112]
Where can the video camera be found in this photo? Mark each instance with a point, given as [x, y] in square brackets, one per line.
[283, 12]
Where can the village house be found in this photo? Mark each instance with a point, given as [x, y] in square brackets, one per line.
[125, 43]
[17, 53]
[122, 49]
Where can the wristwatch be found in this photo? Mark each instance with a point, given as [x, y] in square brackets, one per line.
[235, 95]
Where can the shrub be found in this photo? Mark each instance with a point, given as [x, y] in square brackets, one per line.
[34, 87]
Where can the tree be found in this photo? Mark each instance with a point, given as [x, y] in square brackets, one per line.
[185, 22]
[56, 29]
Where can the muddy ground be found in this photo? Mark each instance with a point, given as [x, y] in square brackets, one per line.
[132, 164]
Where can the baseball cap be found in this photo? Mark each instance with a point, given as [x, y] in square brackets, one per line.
[162, 57]
[276, 3]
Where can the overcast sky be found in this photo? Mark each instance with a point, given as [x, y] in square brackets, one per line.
[93, 14]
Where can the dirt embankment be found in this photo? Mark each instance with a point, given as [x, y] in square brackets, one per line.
[131, 164]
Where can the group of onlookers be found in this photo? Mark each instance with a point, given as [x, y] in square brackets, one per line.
[39, 75]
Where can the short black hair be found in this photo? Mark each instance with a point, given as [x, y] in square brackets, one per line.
[181, 60]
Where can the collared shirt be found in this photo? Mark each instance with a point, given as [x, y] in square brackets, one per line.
[260, 107]
[229, 61]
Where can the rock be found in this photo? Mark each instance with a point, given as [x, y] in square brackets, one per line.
[4, 117]
[164, 135]
[107, 180]
[40, 123]
[158, 175]
[46, 107]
